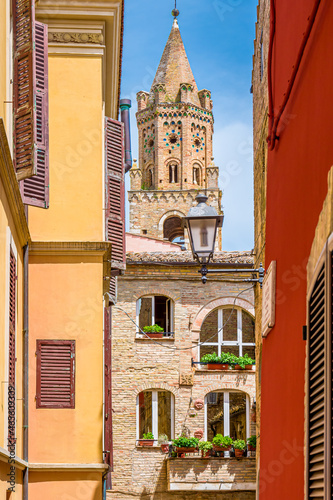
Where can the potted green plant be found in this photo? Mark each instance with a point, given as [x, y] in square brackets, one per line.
[205, 447]
[185, 445]
[239, 447]
[244, 363]
[215, 362]
[147, 439]
[252, 443]
[222, 443]
[154, 331]
[163, 441]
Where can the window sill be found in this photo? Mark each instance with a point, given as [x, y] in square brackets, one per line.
[204, 369]
[145, 339]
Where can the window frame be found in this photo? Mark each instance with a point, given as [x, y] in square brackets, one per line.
[226, 412]
[154, 417]
[168, 320]
[228, 343]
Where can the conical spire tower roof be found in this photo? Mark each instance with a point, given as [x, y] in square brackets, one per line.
[174, 68]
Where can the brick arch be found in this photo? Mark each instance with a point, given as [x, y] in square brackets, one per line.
[167, 215]
[225, 386]
[221, 302]
[154, 290]
[150, 386]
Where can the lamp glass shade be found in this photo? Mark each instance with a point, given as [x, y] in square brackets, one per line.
[202, 232]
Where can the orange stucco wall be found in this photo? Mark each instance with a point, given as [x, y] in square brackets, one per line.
[65, 485]
[66, 303]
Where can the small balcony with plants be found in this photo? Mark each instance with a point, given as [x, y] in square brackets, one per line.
[223, 464]
[224, 361]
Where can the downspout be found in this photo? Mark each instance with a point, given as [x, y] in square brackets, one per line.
[125, 105]
[25, 369]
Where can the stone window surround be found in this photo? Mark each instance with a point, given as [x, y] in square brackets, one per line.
[155, 414]
[172, 309]
[220, 343]
[227, 413]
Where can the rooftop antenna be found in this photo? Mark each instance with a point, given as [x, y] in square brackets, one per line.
[175, 11]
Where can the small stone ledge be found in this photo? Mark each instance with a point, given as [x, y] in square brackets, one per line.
[146, 339]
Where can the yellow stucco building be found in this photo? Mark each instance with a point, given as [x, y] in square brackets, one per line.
[61, 243]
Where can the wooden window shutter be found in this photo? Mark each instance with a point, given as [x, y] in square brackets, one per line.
[25, 151]
[115, 191]
[55, 374]
[317, 422]
[35, 190]
[12, 350]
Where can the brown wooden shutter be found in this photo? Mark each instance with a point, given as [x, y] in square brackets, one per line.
[35, 190]
[12, 351]
[25, 150]
[316, 389]
[108, 444]
[115, 191]
[55, 374]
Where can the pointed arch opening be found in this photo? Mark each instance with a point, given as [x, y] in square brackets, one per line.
[173, 230]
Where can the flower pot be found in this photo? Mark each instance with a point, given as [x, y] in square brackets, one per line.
[251, 448]
[165, 447]
[217, 366]
[239, 453]
[185, 450]
[205, 454]
[146, 442]
[248, 367]
[154, 335]
[221, 448]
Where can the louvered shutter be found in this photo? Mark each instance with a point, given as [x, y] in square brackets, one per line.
[35, 190]
[316, 389]
[115, 191]
[107, 388]
[55, 374]
[25, 150]
[12, 350]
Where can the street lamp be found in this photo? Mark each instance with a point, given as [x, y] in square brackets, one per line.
[202, 222]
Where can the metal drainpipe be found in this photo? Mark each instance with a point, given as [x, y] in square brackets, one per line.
[25, 370]
[125, 105]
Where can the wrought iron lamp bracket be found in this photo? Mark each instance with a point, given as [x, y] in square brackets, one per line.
[260, 272]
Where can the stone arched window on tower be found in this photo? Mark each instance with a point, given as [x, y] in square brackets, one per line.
[196, 174]
[227, 329]
[173, 173]
[155, 413]
[148, 180]
[173, 230]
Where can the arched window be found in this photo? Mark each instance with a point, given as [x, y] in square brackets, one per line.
[228, 329]
[196, 174]
[173, 173]
[155, 413]
[155, 310]
[172, 229]
[227, 413]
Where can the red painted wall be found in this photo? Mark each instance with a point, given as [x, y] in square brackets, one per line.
[296, 188]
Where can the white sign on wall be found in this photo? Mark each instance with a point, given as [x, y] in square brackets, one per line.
[268, 300]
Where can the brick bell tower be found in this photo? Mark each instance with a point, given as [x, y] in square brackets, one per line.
[176, 125]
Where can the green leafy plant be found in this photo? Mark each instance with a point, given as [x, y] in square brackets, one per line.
[245, 360]
[184, 442]
[252, 441]
[239, 444]
[223, 441]
[153, 329]
[226, 358]
[205, 446]
[149, 435]
[163, 439]
[210, 358]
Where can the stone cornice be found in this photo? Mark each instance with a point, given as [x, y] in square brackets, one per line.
[11, 188]
[184, 107]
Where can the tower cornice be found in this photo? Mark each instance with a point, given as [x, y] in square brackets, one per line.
[160, 109]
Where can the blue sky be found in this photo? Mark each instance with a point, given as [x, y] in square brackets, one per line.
[218, 37]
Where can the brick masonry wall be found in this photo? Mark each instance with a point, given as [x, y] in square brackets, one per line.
[260, 132]
[140, 364]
